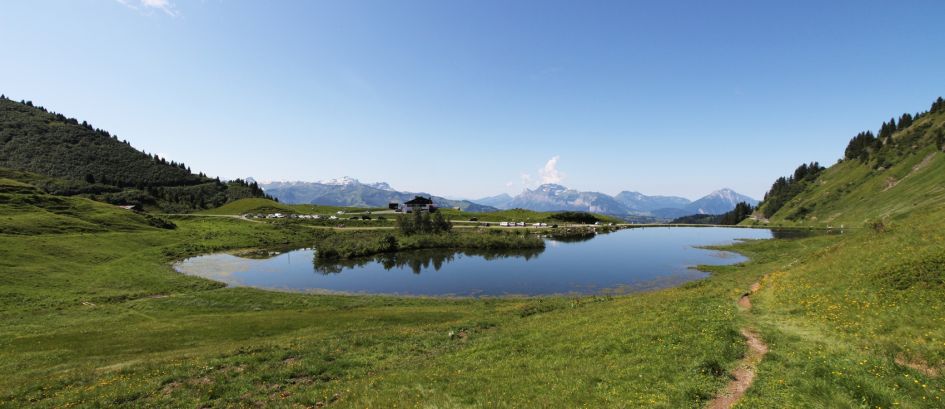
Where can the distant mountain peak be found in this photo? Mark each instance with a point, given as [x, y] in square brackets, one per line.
[381, 186]
[719, 201]
[499, 201]
[342, 181]
[552, 188]
[348, 191]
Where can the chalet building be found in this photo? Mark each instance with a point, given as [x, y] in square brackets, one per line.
[419, 203]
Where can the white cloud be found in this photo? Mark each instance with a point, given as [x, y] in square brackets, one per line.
[546, 174]
[150, 5]
[550, 173]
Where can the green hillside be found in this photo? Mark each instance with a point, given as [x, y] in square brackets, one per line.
[27, 210]
[83, 160]
[881, 179]
[266, 206]
[92, 314]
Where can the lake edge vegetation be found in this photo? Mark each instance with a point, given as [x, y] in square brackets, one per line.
[92, 314]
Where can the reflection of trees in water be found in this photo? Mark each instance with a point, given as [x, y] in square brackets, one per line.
[264, 253]
[419, 260]
[573, 238]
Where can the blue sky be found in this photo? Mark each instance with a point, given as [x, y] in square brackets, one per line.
[473, 98]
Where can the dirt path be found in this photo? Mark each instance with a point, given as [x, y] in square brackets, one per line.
[744, 375]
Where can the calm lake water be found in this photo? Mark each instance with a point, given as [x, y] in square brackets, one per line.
[624, 261]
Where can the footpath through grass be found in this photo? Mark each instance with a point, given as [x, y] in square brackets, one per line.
[100, 319]
[857, 322]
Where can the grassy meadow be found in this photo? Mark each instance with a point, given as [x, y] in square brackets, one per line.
[97, 317]
[266, 206]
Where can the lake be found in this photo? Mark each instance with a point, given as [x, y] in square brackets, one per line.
[620, 262]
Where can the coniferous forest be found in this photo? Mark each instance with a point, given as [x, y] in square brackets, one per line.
[79, 159]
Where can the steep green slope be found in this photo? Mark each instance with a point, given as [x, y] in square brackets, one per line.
[82, 160]
[27, 210]
[888, 179]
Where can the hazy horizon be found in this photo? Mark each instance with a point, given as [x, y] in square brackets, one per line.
[453, 197]
[476, 99]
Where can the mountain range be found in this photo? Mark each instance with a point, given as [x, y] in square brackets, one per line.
[347, 191]
[550, 197]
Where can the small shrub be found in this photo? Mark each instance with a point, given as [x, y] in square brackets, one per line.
[389, 243]
[926, 271]
[159, 222]
[575, 217]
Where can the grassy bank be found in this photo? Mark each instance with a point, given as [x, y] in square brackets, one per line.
[92, 318]
[857, 321]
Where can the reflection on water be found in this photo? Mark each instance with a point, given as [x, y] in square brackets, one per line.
[419, 260]
[573, 238]
[626, 260]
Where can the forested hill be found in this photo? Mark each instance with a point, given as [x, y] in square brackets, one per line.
[882, 176]
[91, 162]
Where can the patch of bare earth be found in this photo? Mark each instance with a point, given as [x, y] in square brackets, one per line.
[891, 182]
[919, 365]
[924, 163]
[744, 374]
[171, 387]
[744, 301]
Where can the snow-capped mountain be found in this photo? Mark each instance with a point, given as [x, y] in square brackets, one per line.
[552, 197]
[342, 181]
[381, 186]
[718, 202]
[348, 191]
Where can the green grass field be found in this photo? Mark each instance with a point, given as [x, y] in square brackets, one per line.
[265, 206]
[97, 317]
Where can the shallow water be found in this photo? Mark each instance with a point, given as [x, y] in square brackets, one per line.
[624, 261]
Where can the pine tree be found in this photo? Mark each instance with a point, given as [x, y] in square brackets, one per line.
[938, 105]
[905, 121]
[440, 224]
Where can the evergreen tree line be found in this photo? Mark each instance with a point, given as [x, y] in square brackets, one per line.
[83, 160]
[786, 188]
[866, 145]
[576, 217]
[735, 216]
[420, 222]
